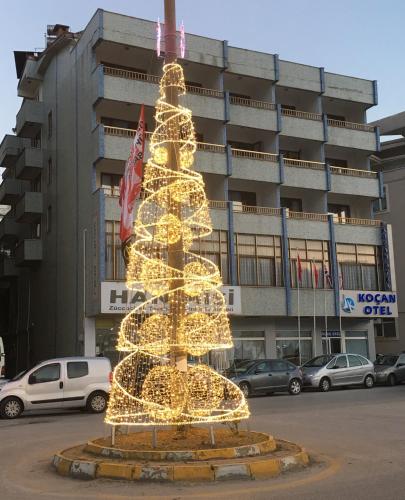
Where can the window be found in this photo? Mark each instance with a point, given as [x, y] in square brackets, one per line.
[314, 254]
[341, 362]
[342, 211]
[48, 219]
[110, 183]
[215, 248]
[248, 345]
[262, 367]
[293, 204]
[50, 125]
[354, 360]
[49, 176]
[288, 106]
[36, 184]
[249, 146]
[77, 369]
[279, 366]
[47, 373]
[360, 267]
[115, 266]
[356, 342]
[245, 197]
[288, 345]
[115, 122]
[385, 328]
[336, 162]
[258, 260]
[293, 155]
[339, 118]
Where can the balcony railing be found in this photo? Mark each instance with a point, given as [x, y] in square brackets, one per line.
[244, 101]
[257, 210]
[218, 204]
[307, 216]
[314, 165]
[301, 114]
[135, 75]
[353, 172]
[355, 221]
[254, 155]
[353, 126]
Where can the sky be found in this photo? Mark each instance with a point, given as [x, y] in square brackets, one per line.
[362, 38]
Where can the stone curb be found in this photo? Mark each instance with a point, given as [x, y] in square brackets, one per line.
[267, 445]
[254, 469]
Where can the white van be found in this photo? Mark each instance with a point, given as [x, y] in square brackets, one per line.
[58, 383]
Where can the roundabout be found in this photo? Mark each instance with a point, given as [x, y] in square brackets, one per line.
[245, 455]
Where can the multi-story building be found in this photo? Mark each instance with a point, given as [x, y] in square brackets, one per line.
[390, 162]
[284, 149]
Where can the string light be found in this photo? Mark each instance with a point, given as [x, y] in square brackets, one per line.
[186, 312]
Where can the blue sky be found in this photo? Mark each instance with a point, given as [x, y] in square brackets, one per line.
[354, 37]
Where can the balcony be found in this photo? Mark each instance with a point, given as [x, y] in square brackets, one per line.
[10, 148]
[351, 135]
[302, 124]
[29, 164]
[28, 252]
[30, 207]
[10, 191]
[30, 118]
[251, 113]
[140, 88]
[8, 268]
[30, 80]
[9, 230]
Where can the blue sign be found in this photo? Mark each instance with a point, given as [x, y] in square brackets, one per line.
[370, 303]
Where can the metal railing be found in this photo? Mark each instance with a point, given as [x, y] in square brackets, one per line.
[301, 114]
[314, 165]
[252, 103]
[353, 126]
[353, 172]
[254, 155]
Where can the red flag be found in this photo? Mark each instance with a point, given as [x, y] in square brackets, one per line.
[299, 268]
[316, 275]
[130, 185]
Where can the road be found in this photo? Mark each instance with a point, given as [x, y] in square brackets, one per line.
[357, 434]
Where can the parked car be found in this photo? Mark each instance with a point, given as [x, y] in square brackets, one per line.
[390, 368]
[58, 383]
[266, 376]
[333, 370]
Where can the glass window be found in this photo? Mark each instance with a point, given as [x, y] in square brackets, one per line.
[279, 366]
[341, 362]
[262, 367]
[354, 361]
[248, 345]
[314, 257]
[289, 349]
[47, 373]
[115, 266]
[77, 369]
[357, 346]
[385, 328]
[258, 260]
[110, 183]
[215, 248]
[360, 267]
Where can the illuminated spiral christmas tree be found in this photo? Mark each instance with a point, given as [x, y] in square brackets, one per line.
[185, 315]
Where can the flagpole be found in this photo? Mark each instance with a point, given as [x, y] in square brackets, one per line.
[326, 316]
[314, 284]
[340, 309]
[299, 312]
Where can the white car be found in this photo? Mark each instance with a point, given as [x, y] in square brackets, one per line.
[58, 384]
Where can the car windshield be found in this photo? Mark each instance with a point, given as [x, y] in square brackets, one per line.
[19, 375]
[386, 360]
[318, 361]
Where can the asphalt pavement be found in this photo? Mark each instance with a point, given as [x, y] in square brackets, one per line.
[356, 437]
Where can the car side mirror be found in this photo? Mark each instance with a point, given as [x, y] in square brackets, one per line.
[32, 379]
[401, 364]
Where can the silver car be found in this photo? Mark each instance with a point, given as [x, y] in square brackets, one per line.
[333, 370]
[390, 368]
[266, 376]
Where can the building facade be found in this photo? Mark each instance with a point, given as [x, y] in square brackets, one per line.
[284, 149]
[390, 163]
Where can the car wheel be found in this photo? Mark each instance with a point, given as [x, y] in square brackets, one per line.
[11, 408]
[368, 382]
[245, 388]
[295, 387]
[392, 380]
[97, 402]
[324, 384]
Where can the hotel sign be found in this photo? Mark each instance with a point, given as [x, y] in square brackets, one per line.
[117, 299]
[368, 304]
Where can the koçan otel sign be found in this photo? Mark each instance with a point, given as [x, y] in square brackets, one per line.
[368, 304]
[117, 299]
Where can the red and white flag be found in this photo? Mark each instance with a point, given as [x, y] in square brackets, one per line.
[299, 268]
[316, 275]
[130, 185]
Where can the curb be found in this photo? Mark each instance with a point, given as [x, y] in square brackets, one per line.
[254, 469]
[249, 450]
